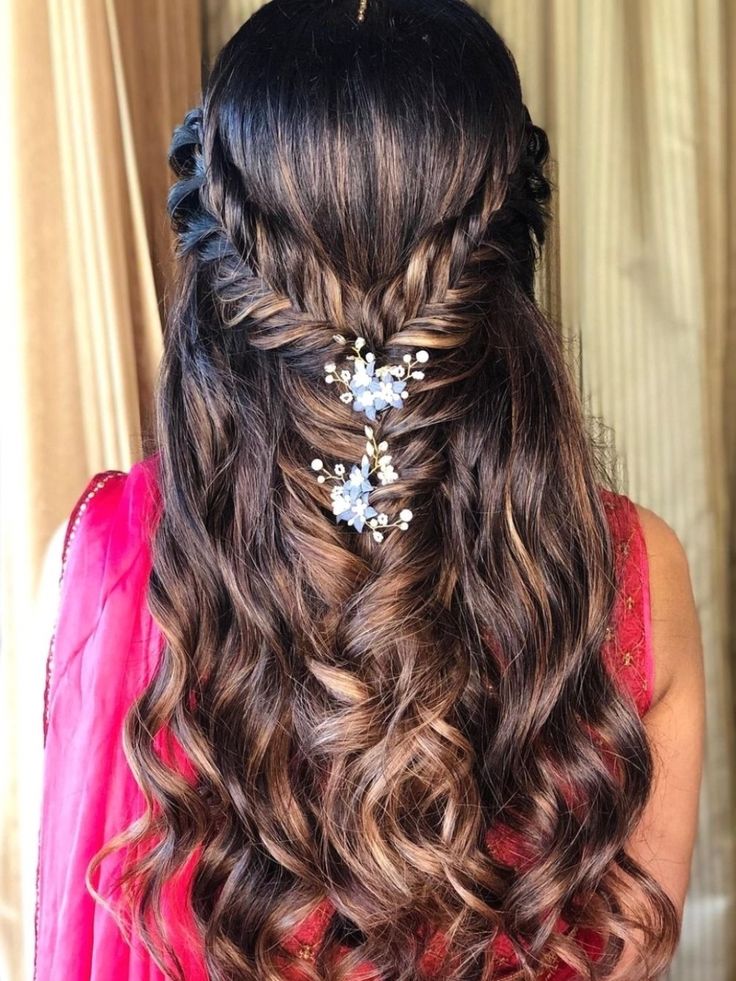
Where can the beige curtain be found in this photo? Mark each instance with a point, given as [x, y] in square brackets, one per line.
[91, 90]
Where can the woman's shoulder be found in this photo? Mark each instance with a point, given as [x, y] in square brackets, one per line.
[664, 839]
[627, 650]
[676, 644]
[106, 543]
[657, 623]
[114, 504]
[105, 553]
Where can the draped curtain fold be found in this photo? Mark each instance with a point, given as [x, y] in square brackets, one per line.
[638, 98]
[91, 90]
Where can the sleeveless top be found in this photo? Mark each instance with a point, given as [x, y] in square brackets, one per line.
[105, 648]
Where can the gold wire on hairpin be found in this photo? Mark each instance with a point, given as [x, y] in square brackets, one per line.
[361, 10]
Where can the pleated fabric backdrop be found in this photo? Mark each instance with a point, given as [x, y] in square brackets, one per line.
[638, 98]
[90, 91]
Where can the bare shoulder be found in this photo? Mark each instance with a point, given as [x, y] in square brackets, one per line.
[676, 639]
[675, 722]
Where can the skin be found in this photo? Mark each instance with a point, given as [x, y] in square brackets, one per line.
[664, 840]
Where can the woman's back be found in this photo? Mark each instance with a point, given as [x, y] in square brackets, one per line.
[105, 651]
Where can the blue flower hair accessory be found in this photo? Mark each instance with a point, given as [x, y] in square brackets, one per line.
[369, 388]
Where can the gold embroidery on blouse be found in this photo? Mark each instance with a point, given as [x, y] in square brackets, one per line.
[306, 952]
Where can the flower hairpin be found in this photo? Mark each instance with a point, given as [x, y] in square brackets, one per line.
[369, 388]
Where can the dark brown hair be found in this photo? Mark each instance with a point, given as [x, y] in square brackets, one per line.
[359, 714]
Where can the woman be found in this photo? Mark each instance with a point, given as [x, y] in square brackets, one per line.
[367, 671]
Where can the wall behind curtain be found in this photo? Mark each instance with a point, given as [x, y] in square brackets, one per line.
[91, 90]
[639, 100]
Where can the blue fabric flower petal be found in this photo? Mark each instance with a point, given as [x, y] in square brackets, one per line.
[357, 382]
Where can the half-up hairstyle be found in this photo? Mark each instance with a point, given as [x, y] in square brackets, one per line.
[358, 714]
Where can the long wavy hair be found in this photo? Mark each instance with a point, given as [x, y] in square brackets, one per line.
[359, 714]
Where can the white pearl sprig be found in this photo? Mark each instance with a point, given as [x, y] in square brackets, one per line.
[369, 387]
[351, 493]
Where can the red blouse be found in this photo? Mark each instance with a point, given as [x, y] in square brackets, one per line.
[105, 649]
